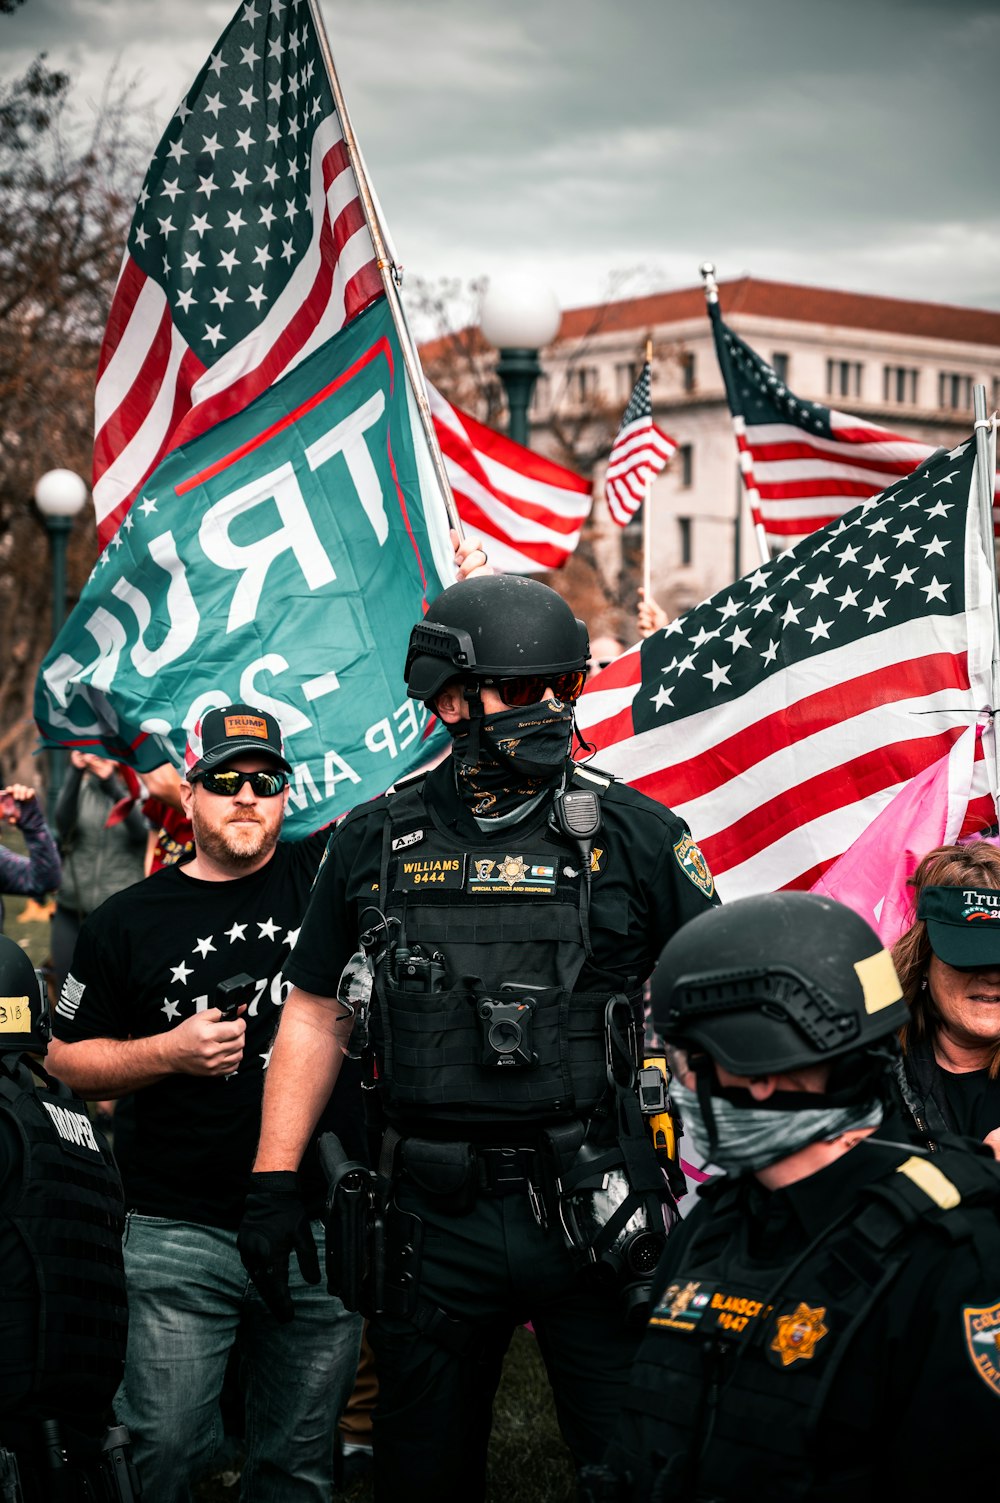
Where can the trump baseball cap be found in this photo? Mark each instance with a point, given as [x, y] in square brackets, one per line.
[232, 731]
[963, 924]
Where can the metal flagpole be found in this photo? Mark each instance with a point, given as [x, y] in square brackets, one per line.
[390, 273]
[647, 526]
[707, 270]
[986, 442]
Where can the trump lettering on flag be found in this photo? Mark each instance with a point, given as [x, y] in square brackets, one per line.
[781, 716]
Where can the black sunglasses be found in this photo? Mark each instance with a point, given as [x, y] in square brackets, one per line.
[228, 782]
[530, 690]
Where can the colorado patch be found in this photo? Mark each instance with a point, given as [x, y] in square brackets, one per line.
[982, 1341]
[694, 866]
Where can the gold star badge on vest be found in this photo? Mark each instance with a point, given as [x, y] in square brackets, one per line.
[798, 1334]
[513, 869]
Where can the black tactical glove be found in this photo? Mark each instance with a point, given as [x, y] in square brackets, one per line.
[274, 1222]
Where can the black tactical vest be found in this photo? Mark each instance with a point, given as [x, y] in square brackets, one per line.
[737, 1364]
[505, 925]
[63, 1216]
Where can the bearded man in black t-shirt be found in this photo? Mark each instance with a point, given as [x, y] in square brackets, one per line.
[140, 1013]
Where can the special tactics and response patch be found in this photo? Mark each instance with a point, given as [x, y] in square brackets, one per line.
[526, 876]
[694, 866]
[982, 1341]
[798, 1333]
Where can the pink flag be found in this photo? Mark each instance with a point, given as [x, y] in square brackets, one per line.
[949, 799]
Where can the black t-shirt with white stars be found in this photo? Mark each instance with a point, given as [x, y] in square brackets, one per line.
[153, 955]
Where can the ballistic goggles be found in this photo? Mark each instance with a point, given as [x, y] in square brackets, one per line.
[530, 688]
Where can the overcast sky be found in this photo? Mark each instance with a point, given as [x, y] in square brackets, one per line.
[843, 144]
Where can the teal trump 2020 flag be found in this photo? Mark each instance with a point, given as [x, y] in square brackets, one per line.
[279, 559]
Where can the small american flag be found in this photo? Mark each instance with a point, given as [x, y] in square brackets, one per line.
[527, 509]
[803, 464]
[639, 452]
[781, 716]
[248, 250]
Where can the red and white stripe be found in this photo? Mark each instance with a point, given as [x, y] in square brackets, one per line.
[154, 393]
[528, 509]
[640, 452]
[779, 782]
[797, 481]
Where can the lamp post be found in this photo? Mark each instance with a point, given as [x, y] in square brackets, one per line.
[59, 495]
[518, 316]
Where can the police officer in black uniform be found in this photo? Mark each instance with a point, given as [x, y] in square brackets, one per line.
[826, 1324]
[62, 1309]
[510, 906]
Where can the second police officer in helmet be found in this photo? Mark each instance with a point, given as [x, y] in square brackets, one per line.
[826, 1324]
[510, 905]
[63, 1317]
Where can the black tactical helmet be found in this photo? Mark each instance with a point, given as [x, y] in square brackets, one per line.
[771, 983]
[25, 1025]
[493, 626]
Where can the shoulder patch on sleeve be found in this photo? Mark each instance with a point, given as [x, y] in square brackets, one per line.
[694, 866]
[981, 1324]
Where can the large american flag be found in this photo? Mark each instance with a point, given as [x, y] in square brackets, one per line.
[639, 452]
[248, 250]
[782, 715]
[803, 464]
[527, 509]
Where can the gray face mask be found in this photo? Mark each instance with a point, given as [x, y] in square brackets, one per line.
[751, 1138]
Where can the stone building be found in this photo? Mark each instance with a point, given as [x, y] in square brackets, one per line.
[908, 366]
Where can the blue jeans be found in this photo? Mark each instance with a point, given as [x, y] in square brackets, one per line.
[189, 1300]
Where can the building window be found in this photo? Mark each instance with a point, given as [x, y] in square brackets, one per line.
[954, 390]
[626, 375]
[540, 395]
[685, 466]
[684, 539]
[779, 364]
[899, 384]
[688, 372]
[843, 378]
[584, 382]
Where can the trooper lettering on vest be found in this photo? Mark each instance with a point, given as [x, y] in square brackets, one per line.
[61, 1224]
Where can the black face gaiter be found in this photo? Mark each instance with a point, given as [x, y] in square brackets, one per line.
[503, 759]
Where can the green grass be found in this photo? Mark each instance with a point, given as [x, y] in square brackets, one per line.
[528, 1462]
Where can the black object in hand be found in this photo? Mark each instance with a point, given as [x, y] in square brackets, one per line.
[231, 994]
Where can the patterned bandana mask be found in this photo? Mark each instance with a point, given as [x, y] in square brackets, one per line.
[506, 758]
[751, 1138]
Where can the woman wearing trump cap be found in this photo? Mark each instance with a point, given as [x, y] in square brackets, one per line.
[948, 963]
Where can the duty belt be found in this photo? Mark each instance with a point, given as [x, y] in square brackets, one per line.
[506, 1171]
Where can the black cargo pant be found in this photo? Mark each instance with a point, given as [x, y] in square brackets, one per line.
[495, 1268]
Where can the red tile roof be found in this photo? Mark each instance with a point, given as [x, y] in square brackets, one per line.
[814, 305]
